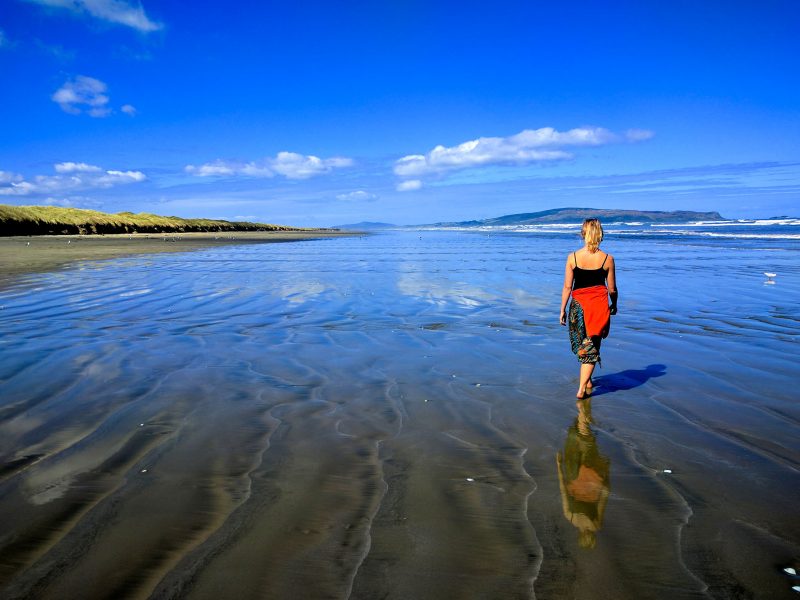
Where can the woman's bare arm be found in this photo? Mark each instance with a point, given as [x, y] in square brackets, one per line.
[611, 281]
[565, 292]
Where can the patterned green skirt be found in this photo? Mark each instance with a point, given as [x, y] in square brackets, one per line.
[586, 348]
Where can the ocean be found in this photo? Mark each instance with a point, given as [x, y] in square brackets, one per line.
[394, 415]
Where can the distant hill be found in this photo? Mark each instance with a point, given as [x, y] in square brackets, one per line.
[365, 225]
[577, 215]
[51, 220]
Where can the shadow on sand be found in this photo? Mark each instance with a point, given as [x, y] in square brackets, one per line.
[626, 380]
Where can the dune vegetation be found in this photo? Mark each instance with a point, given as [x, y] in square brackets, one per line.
[52, 220]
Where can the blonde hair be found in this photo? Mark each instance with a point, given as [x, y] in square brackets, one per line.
[592, 234]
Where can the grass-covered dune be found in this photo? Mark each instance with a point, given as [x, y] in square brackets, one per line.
[52, 220]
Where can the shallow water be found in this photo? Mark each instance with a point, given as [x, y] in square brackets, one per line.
[382, 417]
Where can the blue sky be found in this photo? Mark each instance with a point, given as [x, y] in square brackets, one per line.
[322, 113]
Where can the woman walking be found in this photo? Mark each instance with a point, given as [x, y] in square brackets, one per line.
[590, 280]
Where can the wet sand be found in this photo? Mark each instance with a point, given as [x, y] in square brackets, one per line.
[32, 254]
[394, 417]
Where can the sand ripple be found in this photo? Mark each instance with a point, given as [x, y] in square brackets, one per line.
[380, 417]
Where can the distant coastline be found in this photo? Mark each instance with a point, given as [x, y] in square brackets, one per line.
[51, 220]
[560, 216]
[606, 215]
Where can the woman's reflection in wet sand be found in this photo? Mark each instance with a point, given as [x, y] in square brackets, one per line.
[583, 477]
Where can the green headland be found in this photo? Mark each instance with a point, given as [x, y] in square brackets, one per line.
[53, 220]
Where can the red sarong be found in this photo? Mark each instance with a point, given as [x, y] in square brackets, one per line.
[596, 314]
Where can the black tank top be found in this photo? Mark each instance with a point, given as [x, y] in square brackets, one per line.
[584, 278]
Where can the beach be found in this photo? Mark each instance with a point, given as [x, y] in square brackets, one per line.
[394, 416]
[29, 254]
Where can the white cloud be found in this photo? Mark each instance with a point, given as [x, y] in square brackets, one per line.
[129, 109]
[71, 176]
[55, 50]
[638, 135]
[73, 201]
[72, 167]
[112, 178]
[407, 186]
[17, 188]
[9, 177]
[113, 11]
[289, 164]
[83, 94]
[527, 147]
[298, 166]
[212, 169]
[58, 202]
[358, 196]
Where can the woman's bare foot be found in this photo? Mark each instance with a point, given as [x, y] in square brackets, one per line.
[585, 380]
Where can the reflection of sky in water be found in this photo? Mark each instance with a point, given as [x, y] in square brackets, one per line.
[474, 271]
[441, 290]
[299, 291]
[517, 275]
